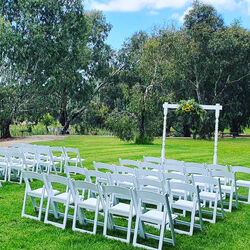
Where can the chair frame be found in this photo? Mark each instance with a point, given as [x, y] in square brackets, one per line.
[240, 183]
[27, 176]
[53, 199]
[107, 195]
[213, 186]
[81, 203]
[142, 197]
[194, 195]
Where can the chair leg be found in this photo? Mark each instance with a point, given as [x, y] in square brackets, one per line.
[129, 228]
[161, 235]
[24, 204]
[105, 222]
[136, 230]
[65, 215]
[74, 217]
[215, 211]
[95, 220]
[47, 211]
[192, 222]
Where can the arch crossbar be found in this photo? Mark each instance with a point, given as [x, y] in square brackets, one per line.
[216, 108]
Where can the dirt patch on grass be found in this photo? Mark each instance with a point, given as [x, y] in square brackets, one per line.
[30, 139]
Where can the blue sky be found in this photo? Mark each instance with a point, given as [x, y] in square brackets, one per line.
[130, 16]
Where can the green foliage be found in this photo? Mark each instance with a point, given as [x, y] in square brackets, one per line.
[47, 120]
[143, 139]
[122, 125]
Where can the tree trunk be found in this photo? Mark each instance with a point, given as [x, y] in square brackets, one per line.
[235, 127]
[186, 131]
[63, 109]
[5, 130]
[142, 123]
[65, 127]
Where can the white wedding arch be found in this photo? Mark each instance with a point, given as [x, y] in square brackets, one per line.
[216, 108]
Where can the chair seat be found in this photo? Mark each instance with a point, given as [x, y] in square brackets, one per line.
[90, 204]
[184, 205]
[121, 209]
[58, 158]
[243, 183]
[176, 180]
[155, 216]
[38, 192]
[204, 195]
[62, 197]
[126, 184]
[225, 188]
[151, 177]
[176, 172]
[74, 159]
[178, 192]
[17, 165]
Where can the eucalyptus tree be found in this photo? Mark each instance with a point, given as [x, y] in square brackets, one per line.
[63, 50]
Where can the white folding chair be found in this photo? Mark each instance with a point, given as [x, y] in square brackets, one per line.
[133, 163]
[216, 167]
[151, 185]
[38, 193]
[45, 161]
[153, 216]
[71, 171]
[173, 168]
[191, 204]
[89, 204]
[228, 188]
[179, 178]
[174, 162]
[58, 155]
[4, 164]
[152, 159]
[112, 207]
[62, 197]
[242, 183]
[210, 192]
[122, 180]
[194, 165]
[72, 156]
[151, 166]
[100, 166]
[30, 155]
[16, 164]
[94, 176]
[149, 174]
[125, 170]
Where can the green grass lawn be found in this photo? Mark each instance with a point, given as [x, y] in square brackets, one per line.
[231, 233]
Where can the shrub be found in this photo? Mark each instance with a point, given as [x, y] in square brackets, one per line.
[143, 139]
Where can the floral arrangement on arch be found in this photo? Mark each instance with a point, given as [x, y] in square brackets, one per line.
[189, 107]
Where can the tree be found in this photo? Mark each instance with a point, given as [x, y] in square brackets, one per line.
[67, 47]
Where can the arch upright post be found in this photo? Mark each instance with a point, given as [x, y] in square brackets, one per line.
[165, 107]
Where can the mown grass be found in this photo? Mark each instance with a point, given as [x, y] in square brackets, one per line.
[231, 233]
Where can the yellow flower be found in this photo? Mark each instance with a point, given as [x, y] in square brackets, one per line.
[183, 108]
[187, 109]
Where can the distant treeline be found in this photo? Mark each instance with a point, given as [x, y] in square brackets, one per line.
[55, 62]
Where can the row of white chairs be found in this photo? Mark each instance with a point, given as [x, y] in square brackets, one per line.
[110, 200]
[176, 185]
[19, 157]
[187, 168]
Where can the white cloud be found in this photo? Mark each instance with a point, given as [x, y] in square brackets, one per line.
[153, 12]
[247, 4]
[135, 5]
[153, 5]
[181, 19]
